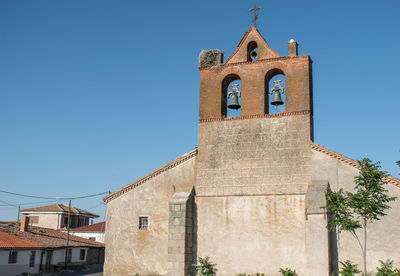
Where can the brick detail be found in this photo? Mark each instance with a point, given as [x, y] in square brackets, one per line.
[149, 176]
[180, 235]
[254, 84]
[283, 114]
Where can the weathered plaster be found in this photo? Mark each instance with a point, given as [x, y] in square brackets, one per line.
[130, 250]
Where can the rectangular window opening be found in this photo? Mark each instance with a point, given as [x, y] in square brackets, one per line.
[69, 256]
[143, 222]
[12, 257]
[32, 259]
[82, 254]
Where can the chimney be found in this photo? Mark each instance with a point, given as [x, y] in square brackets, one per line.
[24, 224]
[292, 48]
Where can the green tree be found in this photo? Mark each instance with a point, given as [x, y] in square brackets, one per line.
[351, 211]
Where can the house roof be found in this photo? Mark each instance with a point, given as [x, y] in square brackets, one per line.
[60, 208]
[10, 241]
[45, 237]
[97, 227]
[149, 176]
[351, 162]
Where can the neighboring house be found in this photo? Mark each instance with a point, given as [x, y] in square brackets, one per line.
[18, 256]
[55, 216]
[250, 196]
[33, 249]
[93, 232]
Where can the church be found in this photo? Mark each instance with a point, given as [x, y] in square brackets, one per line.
[250, 195]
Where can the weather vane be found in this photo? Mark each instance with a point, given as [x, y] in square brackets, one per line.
[254, 10]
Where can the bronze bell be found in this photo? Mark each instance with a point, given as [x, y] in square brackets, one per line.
[234, 102]
[276, 98]
[234, 94]
[276, 93]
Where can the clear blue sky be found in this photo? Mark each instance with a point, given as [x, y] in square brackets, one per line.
[94, 94]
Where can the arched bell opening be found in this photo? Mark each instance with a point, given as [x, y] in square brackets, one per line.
[275, 91]
[252, 54]
[231, 96]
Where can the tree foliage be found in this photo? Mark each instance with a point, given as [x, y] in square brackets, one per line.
[206, 267]
[386, 269]
[348, 269]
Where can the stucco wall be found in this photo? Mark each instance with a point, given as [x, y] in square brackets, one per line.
[145, 251]
[99, 236]
[50, 220]
[22, 264]
[249, 234]
[383, 236]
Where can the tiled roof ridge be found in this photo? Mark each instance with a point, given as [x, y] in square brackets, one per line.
[256, 61]
[11, 241]
[351, 162]
[91, 228]
[257, 116]
[149, 176]
[59, 207]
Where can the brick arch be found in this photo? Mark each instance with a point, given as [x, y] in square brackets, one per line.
[268, 76]
[250, 47]
[224, 90]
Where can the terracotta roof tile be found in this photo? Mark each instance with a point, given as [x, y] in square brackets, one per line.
[60, 208]
[10, 241]
[97, 227]
[47, 238]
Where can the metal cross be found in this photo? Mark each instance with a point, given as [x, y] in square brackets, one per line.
[254, 10]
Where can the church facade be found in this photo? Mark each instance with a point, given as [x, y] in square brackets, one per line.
[250, 195]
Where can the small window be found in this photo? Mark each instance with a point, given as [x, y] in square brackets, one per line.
[12, 257]
[32, 259]
[82, 254]
[92, 238]
[143, 222]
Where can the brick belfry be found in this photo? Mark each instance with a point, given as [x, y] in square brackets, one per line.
[254, 172]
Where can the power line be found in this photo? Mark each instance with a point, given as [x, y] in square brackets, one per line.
[27, 203]
[54, 198]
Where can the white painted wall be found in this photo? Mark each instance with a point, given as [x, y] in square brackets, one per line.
[59, 256]
[98, 235]
[22, 264]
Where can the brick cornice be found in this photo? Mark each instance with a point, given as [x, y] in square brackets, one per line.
[351, 162]
[253, 62]
[257, 116]
[151, 175]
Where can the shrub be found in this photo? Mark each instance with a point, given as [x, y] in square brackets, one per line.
[205, 267]
[348, 269]
[287, 272]
[386, 269]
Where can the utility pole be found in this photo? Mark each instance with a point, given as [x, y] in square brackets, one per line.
[69, 223]
[19, 210]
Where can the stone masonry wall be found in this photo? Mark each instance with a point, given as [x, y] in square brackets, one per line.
[180, 235]
[262, 156]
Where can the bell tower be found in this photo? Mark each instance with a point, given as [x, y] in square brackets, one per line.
[253, 170]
